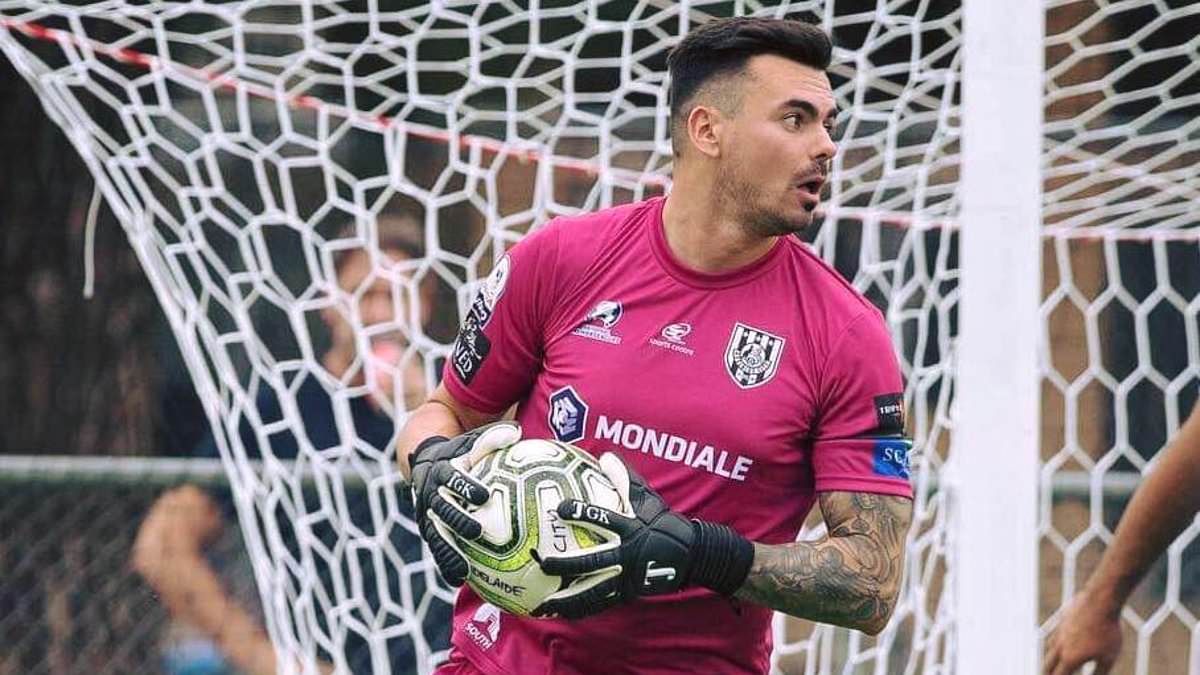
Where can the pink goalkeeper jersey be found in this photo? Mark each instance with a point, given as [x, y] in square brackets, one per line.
[738, 396]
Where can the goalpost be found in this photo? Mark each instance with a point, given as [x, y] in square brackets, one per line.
[246, 146]
[994, 491]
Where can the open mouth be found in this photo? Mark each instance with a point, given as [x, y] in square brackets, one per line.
[813, 186]
[387, 348]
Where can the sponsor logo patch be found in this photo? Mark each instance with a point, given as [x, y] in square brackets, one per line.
[667, 446]
[676, 332]
[889, 413]
[470, 349]
[891, 457]
[607, 313]
[672, 337]
[568, 415]
[752, 356]
[484, 626]
[493, 286]
[472, 346]
[598, 325]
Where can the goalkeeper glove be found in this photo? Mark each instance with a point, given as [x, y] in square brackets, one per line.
[651, 552]
[441, 482]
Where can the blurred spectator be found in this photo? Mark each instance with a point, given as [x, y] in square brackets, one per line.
[179, 548]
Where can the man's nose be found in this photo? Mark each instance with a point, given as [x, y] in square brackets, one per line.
[827, 147]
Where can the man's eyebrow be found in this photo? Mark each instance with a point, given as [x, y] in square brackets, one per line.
[809, 108]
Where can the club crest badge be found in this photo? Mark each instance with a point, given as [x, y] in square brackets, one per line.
[752, 357]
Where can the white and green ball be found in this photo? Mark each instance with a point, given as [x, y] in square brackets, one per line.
[526, 482]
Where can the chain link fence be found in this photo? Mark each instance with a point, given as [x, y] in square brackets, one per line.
[69, 600]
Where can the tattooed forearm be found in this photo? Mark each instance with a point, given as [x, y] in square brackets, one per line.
[851, 577]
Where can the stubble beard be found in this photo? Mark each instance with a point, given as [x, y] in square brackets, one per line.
[748, 204]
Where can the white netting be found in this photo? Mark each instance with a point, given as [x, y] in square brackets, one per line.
[236, 141]
[1121, 354]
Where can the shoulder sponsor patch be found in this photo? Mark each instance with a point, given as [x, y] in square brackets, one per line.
[472, 346]
[470, 349]
[891, 457]
[889, 414]
[493, 286]
[484, 304]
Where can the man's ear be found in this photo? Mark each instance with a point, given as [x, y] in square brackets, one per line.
[704, 125]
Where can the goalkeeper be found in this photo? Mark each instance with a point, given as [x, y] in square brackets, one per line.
[734, 378]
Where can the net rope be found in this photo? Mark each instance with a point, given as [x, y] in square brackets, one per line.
[233, 140]
[1120, 358]
[248, 146]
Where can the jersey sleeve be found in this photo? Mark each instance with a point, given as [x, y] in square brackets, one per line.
[498, 352]
[859, 443]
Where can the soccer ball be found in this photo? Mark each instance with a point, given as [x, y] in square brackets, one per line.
[527, 481]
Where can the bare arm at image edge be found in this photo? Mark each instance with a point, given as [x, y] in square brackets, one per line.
[1162, 507]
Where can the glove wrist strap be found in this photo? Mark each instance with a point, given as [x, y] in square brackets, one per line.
[432, 440]
[722, 557]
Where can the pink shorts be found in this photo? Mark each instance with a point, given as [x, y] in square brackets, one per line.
[457, 664]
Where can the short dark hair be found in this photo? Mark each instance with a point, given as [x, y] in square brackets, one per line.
[395, 232]
[723, 47]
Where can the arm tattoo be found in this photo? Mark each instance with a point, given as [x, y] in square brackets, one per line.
[851, 577]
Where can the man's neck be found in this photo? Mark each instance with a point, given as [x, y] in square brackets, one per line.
[704, 237]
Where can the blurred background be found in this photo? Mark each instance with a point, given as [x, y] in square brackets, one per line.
[103, 377]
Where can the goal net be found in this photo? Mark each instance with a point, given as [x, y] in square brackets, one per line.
[255, 151]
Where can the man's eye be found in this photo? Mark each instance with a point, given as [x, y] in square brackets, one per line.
[796, 120]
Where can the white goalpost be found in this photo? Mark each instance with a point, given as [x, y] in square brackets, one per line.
[992, 479]
[997, 163]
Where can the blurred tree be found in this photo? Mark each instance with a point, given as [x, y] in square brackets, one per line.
[77, 376]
